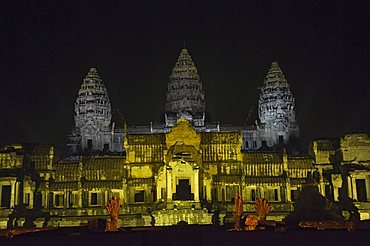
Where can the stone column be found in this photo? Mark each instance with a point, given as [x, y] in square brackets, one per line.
[13, 195]
[288, 197]
[350, 191]
[196, 185]
[169, 184]
[16, 194]
[321, 181]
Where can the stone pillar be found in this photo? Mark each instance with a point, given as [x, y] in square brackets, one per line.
[13, 195]
[159, 195]
[196, 185]
[367, 185]
[352, 190]
[209, 191]
[288, 197]
[322, 184]
[169, 184]
[348, 183]
[16, 194]
[337, 181]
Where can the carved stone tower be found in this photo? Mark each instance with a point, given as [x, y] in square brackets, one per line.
[92, 112]
[276, 109]
[92, 105]
[185, 95]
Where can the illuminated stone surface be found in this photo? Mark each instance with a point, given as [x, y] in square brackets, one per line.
[276, 123]
[94, 129]
[185, 95]
[276, 108]
[352, 154]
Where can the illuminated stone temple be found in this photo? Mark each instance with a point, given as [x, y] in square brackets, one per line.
[184, 169]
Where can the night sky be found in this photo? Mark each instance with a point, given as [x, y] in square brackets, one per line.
[47, 47]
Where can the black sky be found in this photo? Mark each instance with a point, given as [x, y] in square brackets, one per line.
[46, 48]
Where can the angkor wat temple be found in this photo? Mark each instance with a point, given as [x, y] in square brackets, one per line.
[184, 169]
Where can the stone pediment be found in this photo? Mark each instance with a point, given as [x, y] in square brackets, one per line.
[180, 148]
[183, 133]
[90, 129]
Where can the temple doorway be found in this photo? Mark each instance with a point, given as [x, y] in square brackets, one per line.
[5, 196]
[361, 190]
[183, 191]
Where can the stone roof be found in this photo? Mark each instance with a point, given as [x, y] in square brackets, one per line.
[300, 163]
[254, 157]
[75, 185]
[227, 178]
[140, 181]
[144, 139]
[260, 180]
[232, 137]
[105, 184]
[103, 168]
[326, 144]
[297, 181]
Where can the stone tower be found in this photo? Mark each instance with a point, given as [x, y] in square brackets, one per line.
[185, 95]
[92, 115]
[92, 107]
[276, 109]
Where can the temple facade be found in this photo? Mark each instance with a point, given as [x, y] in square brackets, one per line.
[184, 169]
[343, 165]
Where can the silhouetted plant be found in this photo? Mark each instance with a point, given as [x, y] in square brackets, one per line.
[311, 206]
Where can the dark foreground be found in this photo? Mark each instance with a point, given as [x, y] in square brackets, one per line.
[190, 235]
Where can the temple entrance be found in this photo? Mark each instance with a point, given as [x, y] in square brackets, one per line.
[183, 160]
[5, 196]
[183, 191]
[361, 190]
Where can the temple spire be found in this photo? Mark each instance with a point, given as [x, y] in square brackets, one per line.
[92, 105]
[276, 106]
[185, 95]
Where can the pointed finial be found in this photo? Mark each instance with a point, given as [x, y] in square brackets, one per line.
[275, 65]
[184, 45]
[92, 70]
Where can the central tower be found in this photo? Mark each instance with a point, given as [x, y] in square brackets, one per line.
[185, 95]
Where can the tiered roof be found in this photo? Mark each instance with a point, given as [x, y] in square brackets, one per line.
[276, 101]
[185, 91]
[92, 104]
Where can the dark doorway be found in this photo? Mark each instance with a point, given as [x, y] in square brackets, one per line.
[281, 139]
[89, 144]
[5, 196]
[293, 195]
[361, 190]
[183, 191]
[139, 196]
[38, 200]
[329, 193]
